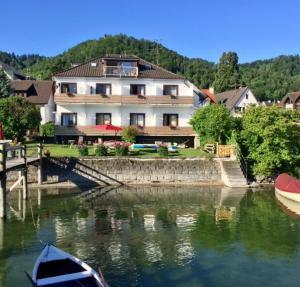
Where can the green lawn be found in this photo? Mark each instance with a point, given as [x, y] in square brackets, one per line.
[59, 150]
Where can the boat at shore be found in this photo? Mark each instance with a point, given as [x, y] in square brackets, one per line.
[288, 206]
[288, 187]
[57, 268]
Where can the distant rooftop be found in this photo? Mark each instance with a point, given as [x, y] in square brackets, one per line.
[231, 97]
[37, 92]
[11, 73]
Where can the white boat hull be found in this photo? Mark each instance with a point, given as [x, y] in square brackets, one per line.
[289, 195]
[293, 207]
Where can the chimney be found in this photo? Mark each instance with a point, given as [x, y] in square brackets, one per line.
[212, 90]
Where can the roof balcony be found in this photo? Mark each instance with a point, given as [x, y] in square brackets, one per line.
[120, 71]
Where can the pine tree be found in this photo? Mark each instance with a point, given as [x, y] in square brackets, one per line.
[5, 88]
[228, 74]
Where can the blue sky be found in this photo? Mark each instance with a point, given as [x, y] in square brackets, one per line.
[255, 29]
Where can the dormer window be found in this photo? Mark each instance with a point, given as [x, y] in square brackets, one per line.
[137, 90]
[170, 90]
[103, 89]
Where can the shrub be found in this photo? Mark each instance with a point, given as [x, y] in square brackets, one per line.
[101, 150]
[129, 134]
[271, 139]
[163, 150]
[83, 150]
[47, 130]
[213, 123]
[121, 149]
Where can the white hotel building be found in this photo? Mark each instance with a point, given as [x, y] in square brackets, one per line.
[124, 90]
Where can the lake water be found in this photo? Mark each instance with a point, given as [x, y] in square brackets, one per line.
[158, 236]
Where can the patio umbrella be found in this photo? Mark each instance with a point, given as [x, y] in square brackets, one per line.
[109, 127]
[1, 132]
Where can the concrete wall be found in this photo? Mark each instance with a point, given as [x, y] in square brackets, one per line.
[128, 171]
[47, 111]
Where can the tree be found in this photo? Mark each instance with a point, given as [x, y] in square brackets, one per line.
[271, 138]
[213, 123]
[47, 129]
[129, 134]
[5, 88]
[227, 75]
[17, 116]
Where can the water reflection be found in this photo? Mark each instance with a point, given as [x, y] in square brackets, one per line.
[153, 236]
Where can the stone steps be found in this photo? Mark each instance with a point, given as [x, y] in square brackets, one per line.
[232, 174]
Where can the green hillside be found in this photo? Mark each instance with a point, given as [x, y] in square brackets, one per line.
[269, 79]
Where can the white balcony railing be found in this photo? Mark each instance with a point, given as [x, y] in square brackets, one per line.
[120, 71]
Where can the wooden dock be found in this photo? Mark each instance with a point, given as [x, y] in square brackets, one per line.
[14, 158]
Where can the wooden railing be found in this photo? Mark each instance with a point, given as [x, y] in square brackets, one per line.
[121, 71]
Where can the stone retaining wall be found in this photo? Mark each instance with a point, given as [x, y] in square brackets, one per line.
[114, 170]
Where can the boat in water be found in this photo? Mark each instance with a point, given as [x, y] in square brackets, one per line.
[288, 206]
[288, 187]
[57, 268]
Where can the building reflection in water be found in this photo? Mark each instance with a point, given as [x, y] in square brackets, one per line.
[153, 224]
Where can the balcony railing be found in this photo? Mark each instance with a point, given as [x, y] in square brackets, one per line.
[120, 71]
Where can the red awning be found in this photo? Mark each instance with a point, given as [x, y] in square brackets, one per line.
[108, 128]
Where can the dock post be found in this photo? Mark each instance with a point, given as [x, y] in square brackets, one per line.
[24, 176]
[25, 183]
[40, 165]
[3, 197]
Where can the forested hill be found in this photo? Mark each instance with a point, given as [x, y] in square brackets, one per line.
[22, 62]
[269, 79]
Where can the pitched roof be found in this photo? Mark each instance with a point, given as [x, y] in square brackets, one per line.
[11, 72]
[210, 95]
[38, 92]
[146, 70]
[231, 97]
[293, 96]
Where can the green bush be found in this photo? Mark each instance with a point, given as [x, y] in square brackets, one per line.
[121, 149]
[47, 130]
[83, 150]
[213, 123]
[129, 134]
[101, 150]
[271, 140]
[163, 151]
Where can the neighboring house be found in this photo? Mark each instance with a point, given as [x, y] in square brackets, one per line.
[11, 73]
[209, 96]
[291, 101]
[237, 100]
[40, 93]
[124, 91]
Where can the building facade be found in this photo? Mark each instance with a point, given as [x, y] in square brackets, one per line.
[124, 91]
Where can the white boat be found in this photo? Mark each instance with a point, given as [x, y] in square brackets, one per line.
[56, 268]
[288, 186]
[288, 206]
